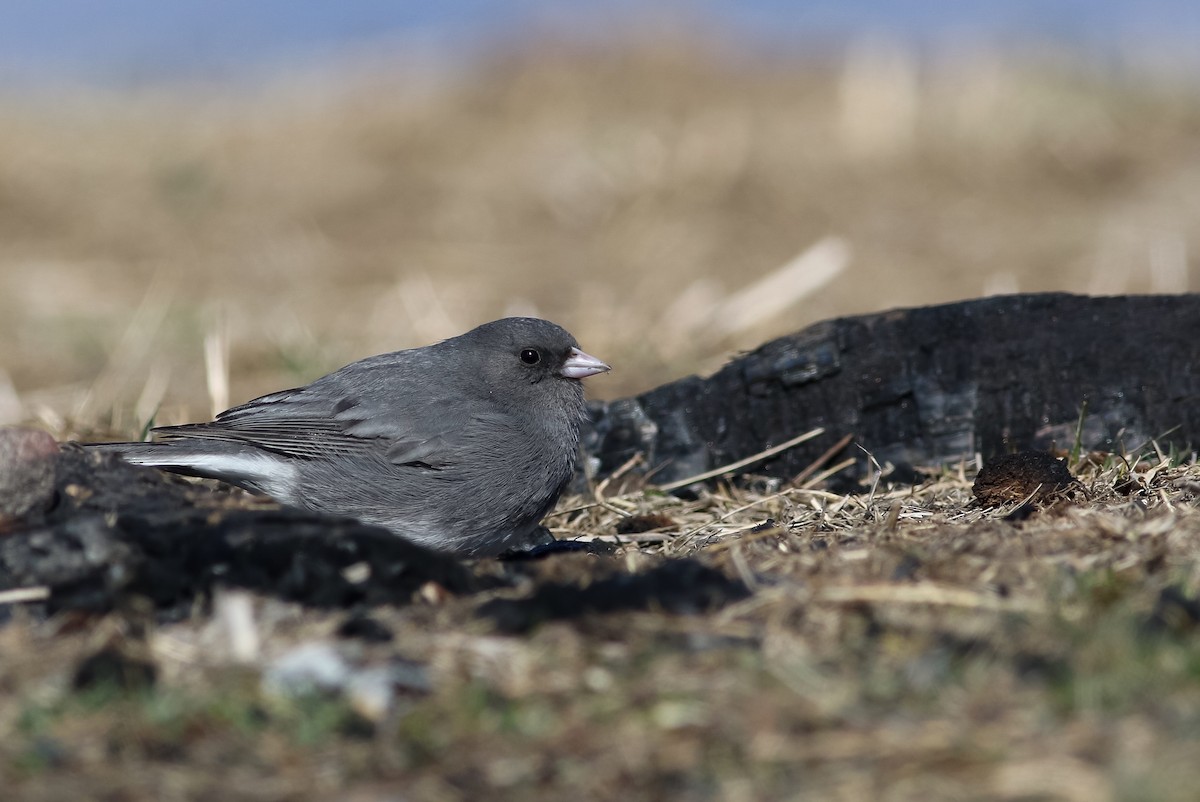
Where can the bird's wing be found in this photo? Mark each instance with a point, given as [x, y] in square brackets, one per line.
[433, 433]
[408, 424]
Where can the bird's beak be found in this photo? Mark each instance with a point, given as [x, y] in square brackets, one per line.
[580, 365]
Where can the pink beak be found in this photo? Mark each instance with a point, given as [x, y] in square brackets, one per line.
[580, 365]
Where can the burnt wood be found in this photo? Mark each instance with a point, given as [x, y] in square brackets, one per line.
[929, 385]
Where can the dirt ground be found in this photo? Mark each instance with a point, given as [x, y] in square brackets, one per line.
[898, 644]
[167, 251]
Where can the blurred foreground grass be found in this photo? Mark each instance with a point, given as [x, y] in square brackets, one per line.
[627, 192]
[899, 645]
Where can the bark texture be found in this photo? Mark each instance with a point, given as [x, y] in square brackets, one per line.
[929, 385]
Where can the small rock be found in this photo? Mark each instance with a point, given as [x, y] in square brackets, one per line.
[371, 693]
[310, 667]
[26, 474]
[370, 690]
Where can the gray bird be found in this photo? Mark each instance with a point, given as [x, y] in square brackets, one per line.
[462, 446]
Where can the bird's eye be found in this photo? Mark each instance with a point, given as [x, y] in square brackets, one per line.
[530, 356]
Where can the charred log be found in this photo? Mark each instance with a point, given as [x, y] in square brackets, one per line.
[929, 385]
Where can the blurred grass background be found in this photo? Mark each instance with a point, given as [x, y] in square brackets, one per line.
[669, 195]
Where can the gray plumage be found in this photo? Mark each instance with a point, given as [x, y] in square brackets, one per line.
[462, 446]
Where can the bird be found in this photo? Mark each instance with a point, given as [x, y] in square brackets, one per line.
[462, 446]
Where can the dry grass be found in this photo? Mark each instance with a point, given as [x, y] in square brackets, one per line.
[163, 252]
[645, 196]
[900, 645]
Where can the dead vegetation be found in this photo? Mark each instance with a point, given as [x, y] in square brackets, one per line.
[164, 252]
[898, 643]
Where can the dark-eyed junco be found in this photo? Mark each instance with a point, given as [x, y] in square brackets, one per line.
[462, 446]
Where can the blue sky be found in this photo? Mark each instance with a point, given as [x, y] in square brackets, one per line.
[136, 39]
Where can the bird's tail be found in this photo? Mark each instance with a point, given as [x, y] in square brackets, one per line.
[235, 463]
[137, 453]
